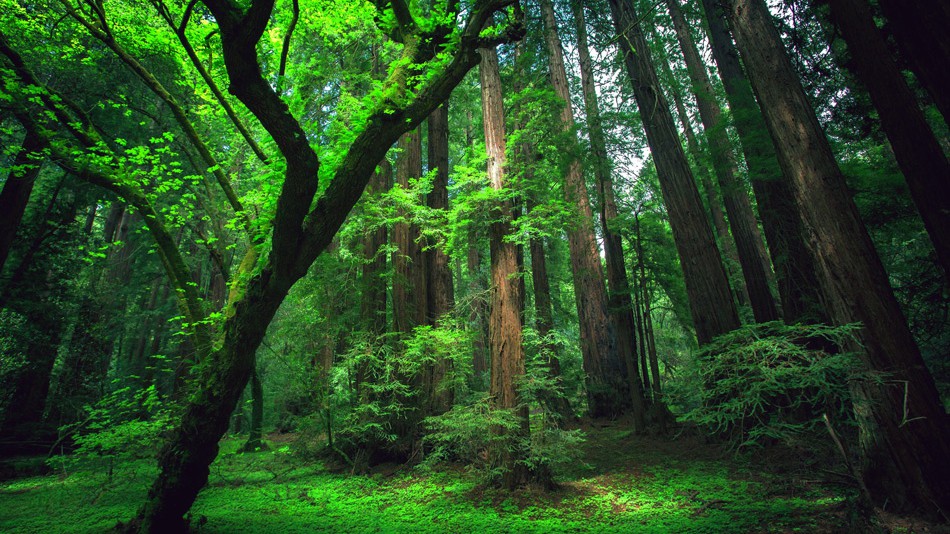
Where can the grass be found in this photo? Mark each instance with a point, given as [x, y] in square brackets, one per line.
[626, 483]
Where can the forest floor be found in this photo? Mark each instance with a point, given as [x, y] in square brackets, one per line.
[623, 483]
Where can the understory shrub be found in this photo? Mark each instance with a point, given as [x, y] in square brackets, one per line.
[772, 382]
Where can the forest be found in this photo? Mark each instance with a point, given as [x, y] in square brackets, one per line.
[474, 266]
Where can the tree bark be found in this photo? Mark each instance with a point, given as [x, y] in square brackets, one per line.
[608, 391]
[904, 431]
[710, 298]
[920, 29]
[504, 324]
[794, 270]
[618, 296]
[409, 273]
[17, 188]
[918, 153]
[755, 269]
[440, 293]
[374, 285]
[254, 437]
[713, 201]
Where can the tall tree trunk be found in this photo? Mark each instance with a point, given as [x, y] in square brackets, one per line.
[374, 285]
[409, 286]
[905, 438]
[918, 153]
[711, 304]
[409, 273]
[504, 324]
[618, 299]
[373, 305]
[608, 391]
[440, 293]
[745, 231]
[920, 29]
[526, 159]
[17, 188]
[713, 201]
[794, 269]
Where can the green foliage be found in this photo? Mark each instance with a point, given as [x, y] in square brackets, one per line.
[125, 425]
[770, 381]
[467, 433]
[624, 484]
[13, 348]
[473, 433]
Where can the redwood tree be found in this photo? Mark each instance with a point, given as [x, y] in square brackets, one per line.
[905, 438]
[711, 304]
[607, 383]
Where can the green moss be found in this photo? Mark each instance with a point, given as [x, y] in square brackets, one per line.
[638, 491]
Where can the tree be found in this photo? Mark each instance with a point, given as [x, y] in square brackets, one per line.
[440, 292]
[916, 149]
[16, 190]
[794, 269]
[303, 224]
[710, 299]
[619, 301]
[745, 231]
[607, 382]
[505, 340]
[920, 29]
[905, 439]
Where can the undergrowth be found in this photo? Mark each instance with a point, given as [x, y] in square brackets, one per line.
[622, 483]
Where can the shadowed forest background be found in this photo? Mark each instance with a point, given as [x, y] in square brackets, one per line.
[474, 266]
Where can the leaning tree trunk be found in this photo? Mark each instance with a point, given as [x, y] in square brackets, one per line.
[794, 270]
[711, 304]
[745, 231]
[619, 302]
[920, 29]
[607, 386]
[905, 437]
[918, 153]
[504, 324]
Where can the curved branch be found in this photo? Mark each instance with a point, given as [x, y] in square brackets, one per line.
[205, 75]
[105, 36]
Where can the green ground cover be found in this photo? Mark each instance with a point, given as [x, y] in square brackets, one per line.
[625, 483]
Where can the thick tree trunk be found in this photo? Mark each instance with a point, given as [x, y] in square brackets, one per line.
[918, 153]
[904, 431]
[409, 273]
[440, 293]
[374, 285]
[713, 201]
[920, 29]
[794, 270]
[188, 454]
[608, 391]
[504, 324]
[711, 304]
[755, 269]
[16, 190]
[618, 300]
